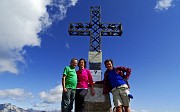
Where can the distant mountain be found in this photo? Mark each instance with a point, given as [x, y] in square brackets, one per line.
[8, 107]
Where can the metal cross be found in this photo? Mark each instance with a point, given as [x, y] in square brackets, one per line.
[95, 29]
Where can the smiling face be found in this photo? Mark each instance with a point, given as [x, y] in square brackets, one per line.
[82, 63]
[109, 65]
[74, 63]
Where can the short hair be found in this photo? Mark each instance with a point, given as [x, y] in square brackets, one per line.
[73, 59]
[82, 59]
[108, 60]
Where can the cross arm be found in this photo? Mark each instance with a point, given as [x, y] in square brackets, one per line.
[111, 29]
[79, 29]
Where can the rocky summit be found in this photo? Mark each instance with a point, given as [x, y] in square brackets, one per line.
[8, 107]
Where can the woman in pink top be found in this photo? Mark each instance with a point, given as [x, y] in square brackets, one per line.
[84, 80]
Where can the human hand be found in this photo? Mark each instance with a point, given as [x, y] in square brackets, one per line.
[92, 92]
[64, 90]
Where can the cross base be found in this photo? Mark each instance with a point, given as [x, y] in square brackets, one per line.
[99, 102]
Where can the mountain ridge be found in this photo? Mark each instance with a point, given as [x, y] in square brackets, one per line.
[8, 107]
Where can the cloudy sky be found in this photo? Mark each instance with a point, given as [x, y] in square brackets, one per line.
[35, 46]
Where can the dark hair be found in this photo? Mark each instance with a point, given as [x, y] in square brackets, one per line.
[108, 60]
[84, 62]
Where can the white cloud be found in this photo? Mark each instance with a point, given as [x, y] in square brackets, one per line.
[20, 23]
[53, 96]
[15, 94]
[8, 64]
[37, 105]
[163, 5]
[58, 8]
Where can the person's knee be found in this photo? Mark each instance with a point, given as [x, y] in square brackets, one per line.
[119, 109]
[127, 108]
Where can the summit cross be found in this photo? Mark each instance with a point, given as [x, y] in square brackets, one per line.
[95, 29]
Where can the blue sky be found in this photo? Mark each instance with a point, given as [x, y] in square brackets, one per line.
[35, 47]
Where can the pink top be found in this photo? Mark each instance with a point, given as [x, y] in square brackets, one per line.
[84, 78]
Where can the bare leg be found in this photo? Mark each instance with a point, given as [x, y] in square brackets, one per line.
[119, 109]
[127, 109]
[123, 109]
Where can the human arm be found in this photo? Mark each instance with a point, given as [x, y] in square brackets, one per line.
[92, 90]
[91, 83]
[106, 86]
[128, 73]
[64, 76]
[64, 83]
[124, 72]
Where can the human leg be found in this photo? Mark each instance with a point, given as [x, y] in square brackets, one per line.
[117, 100]
[79, 99]
[127, 109]
[125, 100]
[72, 98]
[65, 101]
[121, 99]
[119, 108]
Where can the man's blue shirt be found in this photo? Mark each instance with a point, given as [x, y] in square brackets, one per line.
[115, 79]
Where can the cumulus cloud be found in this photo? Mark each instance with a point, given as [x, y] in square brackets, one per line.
[52, 96]
[15, 94]
[20, 23]
[163, 5]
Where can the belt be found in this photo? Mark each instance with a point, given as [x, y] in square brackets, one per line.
[124, 86]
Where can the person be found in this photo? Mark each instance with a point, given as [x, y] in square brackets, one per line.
[115, 81]
[84, 80]
[69, 83]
